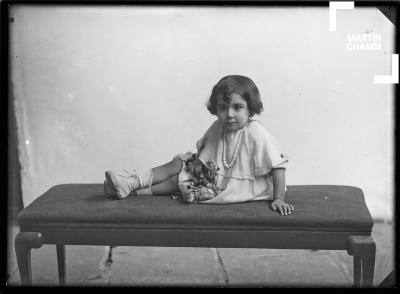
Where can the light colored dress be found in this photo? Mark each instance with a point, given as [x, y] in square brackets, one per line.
[249, 178]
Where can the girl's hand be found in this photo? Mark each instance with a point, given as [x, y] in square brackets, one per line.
[282, 207]
[196, 166]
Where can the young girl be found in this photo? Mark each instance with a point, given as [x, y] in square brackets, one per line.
[237, 159]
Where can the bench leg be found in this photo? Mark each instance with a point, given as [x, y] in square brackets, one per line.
[61, 263]
[24, 242]
[363, 249]
[357, 270]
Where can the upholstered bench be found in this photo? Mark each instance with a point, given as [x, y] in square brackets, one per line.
[325, 217]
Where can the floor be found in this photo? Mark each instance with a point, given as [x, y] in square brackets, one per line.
[210, 267]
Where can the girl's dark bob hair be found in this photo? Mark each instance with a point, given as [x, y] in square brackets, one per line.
[240, 85]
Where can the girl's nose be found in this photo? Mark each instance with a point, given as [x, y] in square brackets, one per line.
[230, 112]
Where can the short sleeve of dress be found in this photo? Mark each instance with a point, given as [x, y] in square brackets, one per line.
[267, 152]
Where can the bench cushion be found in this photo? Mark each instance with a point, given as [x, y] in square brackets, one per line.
[317, 208]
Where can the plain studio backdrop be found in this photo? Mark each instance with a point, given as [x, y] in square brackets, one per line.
[115, 87]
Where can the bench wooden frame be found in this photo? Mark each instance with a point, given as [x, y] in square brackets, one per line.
[362, 247]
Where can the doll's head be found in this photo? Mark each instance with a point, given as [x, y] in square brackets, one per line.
[240, 85]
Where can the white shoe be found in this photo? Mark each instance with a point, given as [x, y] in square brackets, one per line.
[120, 186]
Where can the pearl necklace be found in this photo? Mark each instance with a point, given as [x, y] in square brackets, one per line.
[224, 160]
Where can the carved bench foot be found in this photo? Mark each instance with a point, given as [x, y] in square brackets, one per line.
[24, 242]
[61, 263]
[363, 249]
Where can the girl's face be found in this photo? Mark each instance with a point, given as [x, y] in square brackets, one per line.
[233, 115]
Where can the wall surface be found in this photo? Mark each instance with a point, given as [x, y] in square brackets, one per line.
[100, 88]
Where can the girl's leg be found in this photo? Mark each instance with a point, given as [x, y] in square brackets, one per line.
[121, 187]
[164, 172]
[166, 187]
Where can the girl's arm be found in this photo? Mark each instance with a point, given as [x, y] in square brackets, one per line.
[278, 203]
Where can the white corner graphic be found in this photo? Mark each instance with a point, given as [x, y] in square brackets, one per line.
[333, 6]
[392, 79]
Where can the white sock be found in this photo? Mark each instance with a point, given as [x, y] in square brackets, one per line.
[143, 192]
[145, 178]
